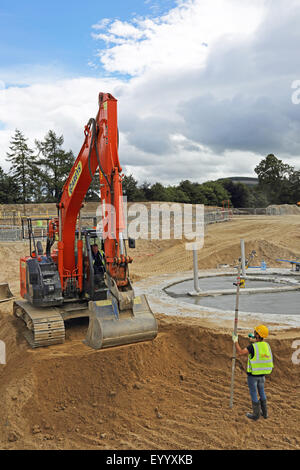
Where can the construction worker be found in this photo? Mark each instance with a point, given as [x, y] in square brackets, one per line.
[260, 363]
[98, 259]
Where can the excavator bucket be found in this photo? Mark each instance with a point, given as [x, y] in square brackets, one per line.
[109, 326]
[5, 293]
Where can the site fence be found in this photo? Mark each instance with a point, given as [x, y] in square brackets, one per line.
[252, 211]
[284, 209]
[11, 228]
[17, 232]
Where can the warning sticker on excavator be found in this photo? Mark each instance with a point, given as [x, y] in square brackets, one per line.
[103, 303]
[75, 178]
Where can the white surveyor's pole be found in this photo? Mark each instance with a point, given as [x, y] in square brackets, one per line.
[195, 263]
[243, 258]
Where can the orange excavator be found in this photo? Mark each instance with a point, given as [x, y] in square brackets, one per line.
[86, 274]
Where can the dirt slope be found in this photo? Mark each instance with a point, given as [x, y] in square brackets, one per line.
[172, 393]
[271, 238]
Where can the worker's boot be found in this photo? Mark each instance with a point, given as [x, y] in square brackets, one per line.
[264, 409]
[256, 411]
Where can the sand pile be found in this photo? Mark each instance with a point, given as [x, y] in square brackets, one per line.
[283, 209]
[172, 393]
[271, 237]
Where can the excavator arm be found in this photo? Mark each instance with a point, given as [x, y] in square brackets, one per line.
[99, 151]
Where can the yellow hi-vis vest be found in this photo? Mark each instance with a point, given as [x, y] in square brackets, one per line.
[262, 361]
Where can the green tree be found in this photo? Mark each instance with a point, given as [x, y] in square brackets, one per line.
[23, 166]
[194, 192]
[158, 192]
[215, 193]
[93, 193]
[175, 194]
[54, 165]
[146, 188]
[258, 198]
[294, 181]
[239, 193]
[273, 176]
[131, 189]
[9, 190]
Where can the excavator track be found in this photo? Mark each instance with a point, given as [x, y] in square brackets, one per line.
[44, 327]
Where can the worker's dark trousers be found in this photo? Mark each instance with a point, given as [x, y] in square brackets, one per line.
[256, 384]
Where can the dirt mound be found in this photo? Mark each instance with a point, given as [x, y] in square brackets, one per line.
[271, 237]
[172, 393]
[283, 209]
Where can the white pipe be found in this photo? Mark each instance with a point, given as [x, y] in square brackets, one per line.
[243, 258]
[195, 263]
[121, 243]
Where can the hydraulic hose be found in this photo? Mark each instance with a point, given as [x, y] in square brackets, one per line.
[93, 142]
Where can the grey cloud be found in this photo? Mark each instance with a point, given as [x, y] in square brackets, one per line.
[240, 102]
[242, 123]
[150, 135]
[244, 98]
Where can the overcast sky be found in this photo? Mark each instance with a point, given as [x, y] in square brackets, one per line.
[205, 88]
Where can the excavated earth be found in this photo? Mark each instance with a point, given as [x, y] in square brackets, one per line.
[170, 393]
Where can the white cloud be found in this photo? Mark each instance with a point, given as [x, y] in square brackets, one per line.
[64, 106]
[178, 39]
[101, 24]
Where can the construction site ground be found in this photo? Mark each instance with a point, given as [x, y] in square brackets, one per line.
[170, 393]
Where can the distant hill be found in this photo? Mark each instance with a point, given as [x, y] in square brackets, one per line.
[243, 179]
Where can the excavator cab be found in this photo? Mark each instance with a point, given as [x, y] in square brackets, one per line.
[94, 266]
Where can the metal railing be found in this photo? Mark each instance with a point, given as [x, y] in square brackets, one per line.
[18, 233]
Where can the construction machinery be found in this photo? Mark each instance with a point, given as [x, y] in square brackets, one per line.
[5, 293]
[61, 281]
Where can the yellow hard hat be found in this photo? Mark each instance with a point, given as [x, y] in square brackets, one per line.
[262, 330]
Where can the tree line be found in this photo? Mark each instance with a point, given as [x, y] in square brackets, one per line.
[278, 183]
[37, 175]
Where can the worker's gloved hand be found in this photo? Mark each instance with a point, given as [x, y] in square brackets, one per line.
[235, 338]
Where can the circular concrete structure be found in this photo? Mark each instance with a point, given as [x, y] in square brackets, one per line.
[264, 294]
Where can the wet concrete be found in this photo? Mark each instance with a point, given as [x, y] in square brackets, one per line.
[283, 303]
